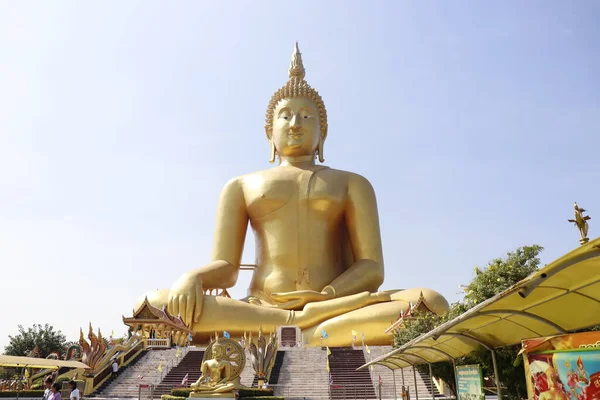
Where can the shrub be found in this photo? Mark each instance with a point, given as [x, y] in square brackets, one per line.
[26, 393]
[181, 392]
[62, 379]
[255, 392]
[169, 397]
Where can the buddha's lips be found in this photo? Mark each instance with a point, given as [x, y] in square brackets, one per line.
[296, 135]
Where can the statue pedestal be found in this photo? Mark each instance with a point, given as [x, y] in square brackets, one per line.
[210, 396]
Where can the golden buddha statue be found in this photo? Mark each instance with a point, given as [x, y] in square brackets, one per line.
[319, 258]
[223, 362]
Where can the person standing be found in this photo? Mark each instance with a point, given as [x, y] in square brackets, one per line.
[54, 392]
[48, 386]
[74, 391]
[115, 368]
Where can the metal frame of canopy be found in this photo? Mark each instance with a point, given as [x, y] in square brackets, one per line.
[561, 297]
[32, 362]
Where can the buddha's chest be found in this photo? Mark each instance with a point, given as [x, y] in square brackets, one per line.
[294, 193]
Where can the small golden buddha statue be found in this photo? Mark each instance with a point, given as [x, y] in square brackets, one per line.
[319, 258]
[223, 362]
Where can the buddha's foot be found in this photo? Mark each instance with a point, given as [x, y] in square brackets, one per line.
[373, 320]
[315, 313]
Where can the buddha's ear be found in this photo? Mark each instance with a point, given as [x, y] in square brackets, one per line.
[320, 148]
[269, 132]
[273, 152]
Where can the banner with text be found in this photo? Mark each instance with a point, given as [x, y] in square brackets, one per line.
[469, 382]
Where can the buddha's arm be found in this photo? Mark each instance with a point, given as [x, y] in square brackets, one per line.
[366, 274]
[229, 237]
[226, 376]
[186, 295]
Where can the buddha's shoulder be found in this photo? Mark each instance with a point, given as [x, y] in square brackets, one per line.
[251, 178]
[350, 178]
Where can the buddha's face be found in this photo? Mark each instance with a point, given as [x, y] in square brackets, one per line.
[218, 351]
[296, 127]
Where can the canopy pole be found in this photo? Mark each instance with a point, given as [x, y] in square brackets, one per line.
[456, 377]
[395, 393]
[496, 375]
[402, 372]
[415, 377]
[431, 380]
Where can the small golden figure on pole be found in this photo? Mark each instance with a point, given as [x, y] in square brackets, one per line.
[581, 222]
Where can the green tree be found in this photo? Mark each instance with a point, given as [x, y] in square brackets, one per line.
[422, 322]
[499, 275]
[44, 337]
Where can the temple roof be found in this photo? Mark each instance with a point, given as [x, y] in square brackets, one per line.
[147, 313]
[420, 306]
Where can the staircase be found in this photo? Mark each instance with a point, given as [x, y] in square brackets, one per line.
[423, 382]
[247, 375]
[110, 380]
[348, 383]
[302, 374]
[190, 364]
[276, 371]
[274, 377]
[145, 371]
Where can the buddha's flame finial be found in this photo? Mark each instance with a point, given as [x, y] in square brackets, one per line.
[296, 69]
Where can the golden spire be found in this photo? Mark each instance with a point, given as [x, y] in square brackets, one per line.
[296, 69]
[296, 86]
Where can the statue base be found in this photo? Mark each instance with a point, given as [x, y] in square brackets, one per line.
[210, 396]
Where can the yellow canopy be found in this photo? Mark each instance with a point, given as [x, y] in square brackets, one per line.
[561, 297]
[32, 362]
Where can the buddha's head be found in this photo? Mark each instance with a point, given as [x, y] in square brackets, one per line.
[296, 120]
[218, 350]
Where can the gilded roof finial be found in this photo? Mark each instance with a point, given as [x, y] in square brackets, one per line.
[581, 222]
[296, 69]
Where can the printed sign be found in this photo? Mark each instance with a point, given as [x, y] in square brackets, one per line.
[565, 367]
[469, 382]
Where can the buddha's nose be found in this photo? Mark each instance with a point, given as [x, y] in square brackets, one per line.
[295, 122]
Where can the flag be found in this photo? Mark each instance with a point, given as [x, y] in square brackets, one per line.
[160, 368]
[112, 333]
[26, 374]
[380, 381]
[354, 334]
[328, 351]
[371, 367]
[178, 352]
[324, 334]
[330, 380]
[185, 380]
[367, 349]
[328, 369]
[226, 334]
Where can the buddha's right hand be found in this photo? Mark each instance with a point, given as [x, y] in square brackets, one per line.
[186, 297]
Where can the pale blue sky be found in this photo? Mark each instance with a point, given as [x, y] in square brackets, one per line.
[476, 122]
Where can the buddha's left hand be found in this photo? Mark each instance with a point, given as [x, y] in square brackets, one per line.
[298, 299]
